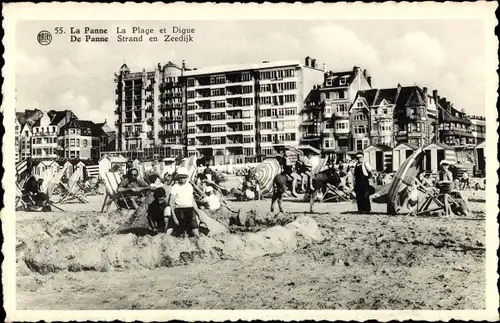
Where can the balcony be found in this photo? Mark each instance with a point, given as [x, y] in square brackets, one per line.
[118, 111]
[151, 135]
[173, 131]
[310, 135]
[150, 121]
[149, 109]
[118, 101]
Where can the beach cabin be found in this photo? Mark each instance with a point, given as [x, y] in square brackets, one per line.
[69, 168]
[83, 166]
[379, 157]
[106, 163]
[435, 153]
[400, 153]
[480, 158]
[40, 168]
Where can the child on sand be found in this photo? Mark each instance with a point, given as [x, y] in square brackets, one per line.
[158, 211]
[183, 205]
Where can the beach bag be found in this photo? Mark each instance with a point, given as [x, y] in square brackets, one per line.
[203, 227]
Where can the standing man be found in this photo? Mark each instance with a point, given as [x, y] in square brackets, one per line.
[445, 186]
[362, 174]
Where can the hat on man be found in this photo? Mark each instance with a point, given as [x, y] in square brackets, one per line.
[446, 162]
[359, 154]
[182, 172]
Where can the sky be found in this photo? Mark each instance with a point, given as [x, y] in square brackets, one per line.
[447, 55]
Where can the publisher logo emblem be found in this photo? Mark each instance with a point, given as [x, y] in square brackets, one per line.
[44, 38]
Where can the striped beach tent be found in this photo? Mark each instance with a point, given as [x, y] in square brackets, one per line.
[403, 178]
[265, 173]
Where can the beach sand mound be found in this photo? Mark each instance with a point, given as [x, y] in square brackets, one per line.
[128, 251]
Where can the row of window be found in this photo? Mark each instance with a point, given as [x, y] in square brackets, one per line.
[277, 74]
[290, 111]
[45, 140]
[336, 95]
[133, 128]
[44, 130]
[278, 125]
[44, 151]
[278, 87]
[278, 137]
[278, 100]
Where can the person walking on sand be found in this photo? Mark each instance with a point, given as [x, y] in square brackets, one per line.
[279, 188]
[182, 205]
[445, 186]
[362, 174]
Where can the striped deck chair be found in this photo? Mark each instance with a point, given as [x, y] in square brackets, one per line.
[54, 182]
[111, 181]
[72, 190]
[22, 170]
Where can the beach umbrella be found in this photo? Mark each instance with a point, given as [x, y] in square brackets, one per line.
[265, 173]
[403, 178]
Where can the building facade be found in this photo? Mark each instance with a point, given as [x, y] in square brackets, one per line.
[236, 113]
[478, 128]
[149, 109]
[82, 139]
[334, 99]
[415, 116]
[45, 131]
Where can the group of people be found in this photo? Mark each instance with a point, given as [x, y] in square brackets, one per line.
[353, 180]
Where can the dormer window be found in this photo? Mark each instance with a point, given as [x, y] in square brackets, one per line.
[343, 81]
[329, 82]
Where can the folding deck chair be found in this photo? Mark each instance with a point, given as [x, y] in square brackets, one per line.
[72, 190]
[431, 197]
[111, 181]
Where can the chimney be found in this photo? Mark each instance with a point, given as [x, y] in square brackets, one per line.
[426, 95]
[68, 115]
[398, 91]
[308, 61]
[369, 80]
[324, 67]
[183, 65]
[313, 63]
[364, 73]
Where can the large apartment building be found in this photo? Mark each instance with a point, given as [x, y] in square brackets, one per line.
[231, 112]
[149, 107]
[239, 112]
